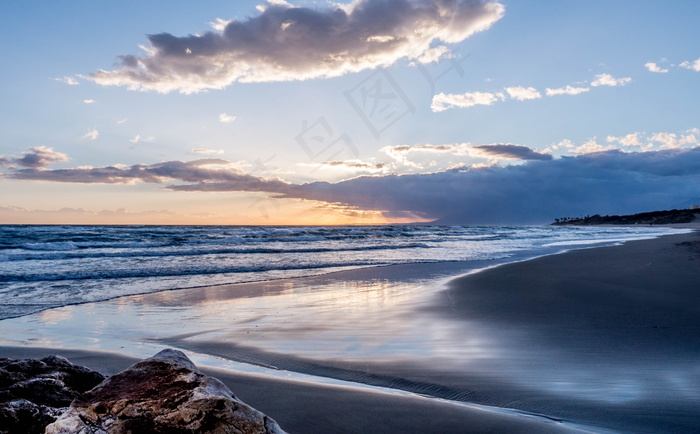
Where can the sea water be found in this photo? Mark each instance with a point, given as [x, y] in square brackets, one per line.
[50, 266]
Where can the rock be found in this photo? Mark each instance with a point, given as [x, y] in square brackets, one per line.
[22, 416]
[163, 394]
[33, 393]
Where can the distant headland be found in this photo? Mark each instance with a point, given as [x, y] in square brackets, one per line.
[645, 218]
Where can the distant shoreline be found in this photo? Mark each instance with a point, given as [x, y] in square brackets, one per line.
[667, 217]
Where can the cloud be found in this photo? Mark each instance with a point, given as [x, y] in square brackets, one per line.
[93, 134]
[609, 182]
[628, 140]
[568, 90]
[564, 144]
[667, 140]
[442, 101]
[609, 80]
[203, 175]
[694, 65]
[509, 151]
[523, 93]
[590, 147]
[67, 80]
[89, 101]
[285, 43]
[138, 139]
[435, 54]
[38, 157]
[675, 141]
[660, 140]
[353, 165]
[400, 152]
[537, 191]
[653, 67]
[208, 151]
[227, 119]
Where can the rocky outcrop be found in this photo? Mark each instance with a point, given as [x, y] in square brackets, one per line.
[33, 393]
[163, 394]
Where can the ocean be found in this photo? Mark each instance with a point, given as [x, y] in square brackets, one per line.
[42, 267]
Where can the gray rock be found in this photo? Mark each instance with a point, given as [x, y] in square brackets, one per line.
[34, 392]
[163, 394]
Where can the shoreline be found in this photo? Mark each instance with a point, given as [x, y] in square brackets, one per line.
[484, 341]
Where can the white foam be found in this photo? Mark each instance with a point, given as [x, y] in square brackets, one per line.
[64, 245]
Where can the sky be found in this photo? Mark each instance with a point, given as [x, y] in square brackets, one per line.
[362, 112]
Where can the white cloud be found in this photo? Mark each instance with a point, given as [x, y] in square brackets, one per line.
[208, 151]
[286, 42]
[434, 54]
[88, 101]
[661, 140]
[121, 121]
[138, 139]
[667, 140]
[523, 93]
[568, 90]
[609, 80]
[92, 134]
[262, 8]
[442, 101]
[694, 65]
[564, 144]
[220, 24]
[688, 139]
[591, 146]
[401, 151]
[354, 165]
[68, 80]
[628, 140]
[227, 119]
[653, 67]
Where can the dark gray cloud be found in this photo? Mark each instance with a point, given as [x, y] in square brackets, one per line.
[36, 158]
[295, 43]
[536, 191]
[201, 173]
[506, 150]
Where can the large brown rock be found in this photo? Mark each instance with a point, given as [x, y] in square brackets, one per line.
[34, 392]
[163, 394]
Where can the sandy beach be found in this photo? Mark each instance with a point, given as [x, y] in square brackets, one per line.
[594, 339]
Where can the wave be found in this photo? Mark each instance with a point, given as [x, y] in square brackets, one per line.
[63, 245]
[199, 252]
[176, 271]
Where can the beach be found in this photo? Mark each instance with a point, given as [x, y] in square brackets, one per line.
[595, 340]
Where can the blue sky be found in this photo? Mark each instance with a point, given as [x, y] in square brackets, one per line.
[364, 112]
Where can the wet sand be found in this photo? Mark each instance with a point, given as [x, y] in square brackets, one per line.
[305, 407]
[605, 337]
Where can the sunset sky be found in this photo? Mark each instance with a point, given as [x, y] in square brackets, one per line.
[372, 111]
